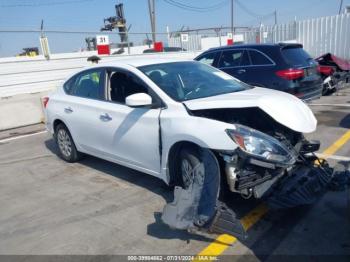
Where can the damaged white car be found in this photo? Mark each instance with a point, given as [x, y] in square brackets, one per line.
[193, 126]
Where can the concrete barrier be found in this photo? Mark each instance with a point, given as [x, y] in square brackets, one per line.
[21, 110]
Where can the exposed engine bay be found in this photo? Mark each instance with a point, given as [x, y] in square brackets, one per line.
[252, 117]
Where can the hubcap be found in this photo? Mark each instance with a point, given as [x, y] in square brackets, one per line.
[186, 172]
[64, 142]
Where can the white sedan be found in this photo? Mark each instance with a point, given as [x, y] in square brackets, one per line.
[157, 115]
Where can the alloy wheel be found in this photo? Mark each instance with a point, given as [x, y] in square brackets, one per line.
[64, 143]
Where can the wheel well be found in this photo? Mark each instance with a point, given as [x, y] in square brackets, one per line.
[56, 123]
[173, 155]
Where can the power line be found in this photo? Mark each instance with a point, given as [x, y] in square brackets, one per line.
[252, 13]
[196, 8]
[64, 2]
[200, 7]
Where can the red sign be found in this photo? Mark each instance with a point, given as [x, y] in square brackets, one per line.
[103, 50]
[158, 46]
[229, 41]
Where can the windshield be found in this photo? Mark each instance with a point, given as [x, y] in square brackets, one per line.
[191, 80]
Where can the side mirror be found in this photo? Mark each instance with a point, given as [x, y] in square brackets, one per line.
[138, 100]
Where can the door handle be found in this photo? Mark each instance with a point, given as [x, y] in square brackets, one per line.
[241, 71]
[105, 117]
[68, 110]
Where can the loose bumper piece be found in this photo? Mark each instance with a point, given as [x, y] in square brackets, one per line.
[301, 187]
[225, 222]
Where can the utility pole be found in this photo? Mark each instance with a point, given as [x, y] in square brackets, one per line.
[275, 13]
[340, 6]
[232, 27]
[152, 15]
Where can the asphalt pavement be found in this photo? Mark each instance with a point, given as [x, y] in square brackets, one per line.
[94, 207]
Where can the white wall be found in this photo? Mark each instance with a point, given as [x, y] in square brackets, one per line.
[24, 75]
[24, 80]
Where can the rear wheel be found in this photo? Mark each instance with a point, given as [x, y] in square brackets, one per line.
[66, 147]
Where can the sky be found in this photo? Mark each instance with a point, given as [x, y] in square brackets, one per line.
[87, 15]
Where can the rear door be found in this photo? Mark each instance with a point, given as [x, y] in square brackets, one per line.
[261, 72]
[235, 62]
[80, 109]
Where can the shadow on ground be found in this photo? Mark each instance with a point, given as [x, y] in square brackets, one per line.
[157, 229]
[331, 118]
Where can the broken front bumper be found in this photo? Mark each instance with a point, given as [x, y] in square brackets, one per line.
[252, 176]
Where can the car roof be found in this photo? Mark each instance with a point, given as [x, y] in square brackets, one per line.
[256, 46]
[141, 61]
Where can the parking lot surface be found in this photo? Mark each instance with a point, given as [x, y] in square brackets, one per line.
[95, 207]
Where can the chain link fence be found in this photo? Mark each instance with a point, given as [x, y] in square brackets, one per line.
[319, 36]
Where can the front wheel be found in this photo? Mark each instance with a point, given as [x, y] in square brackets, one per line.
[66, 147]
[195, 164]
[189, 160]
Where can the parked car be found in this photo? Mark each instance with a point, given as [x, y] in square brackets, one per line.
[334, 71]
[158, 116]
[284, 67]
[165, 49]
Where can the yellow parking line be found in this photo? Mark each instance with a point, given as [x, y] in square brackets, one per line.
[222, 242]
[337, 144]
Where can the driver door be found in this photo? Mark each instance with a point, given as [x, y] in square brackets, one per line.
[131, 134]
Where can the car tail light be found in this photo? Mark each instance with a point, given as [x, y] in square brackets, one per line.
[45, 101]
[325, 70]
[291, 74]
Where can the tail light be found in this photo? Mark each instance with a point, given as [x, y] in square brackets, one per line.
[291, 74]
[45, 101]
[325, 70]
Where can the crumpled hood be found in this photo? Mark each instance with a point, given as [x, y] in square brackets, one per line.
[286, 109]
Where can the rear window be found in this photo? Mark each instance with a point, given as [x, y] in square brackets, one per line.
[297, 57]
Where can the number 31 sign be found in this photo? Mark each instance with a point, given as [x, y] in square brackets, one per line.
[102, 42]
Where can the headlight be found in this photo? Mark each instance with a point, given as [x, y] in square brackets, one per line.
[261, 145]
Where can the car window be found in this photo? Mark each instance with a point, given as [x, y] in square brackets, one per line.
[69, 84]
[191, 80]
[231, 58]
[258, 58]
[245, 61]
[89, 84]
[297, 57]
[207, 58]
[123, 84]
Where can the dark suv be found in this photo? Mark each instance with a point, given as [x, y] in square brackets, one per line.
[284, 67]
